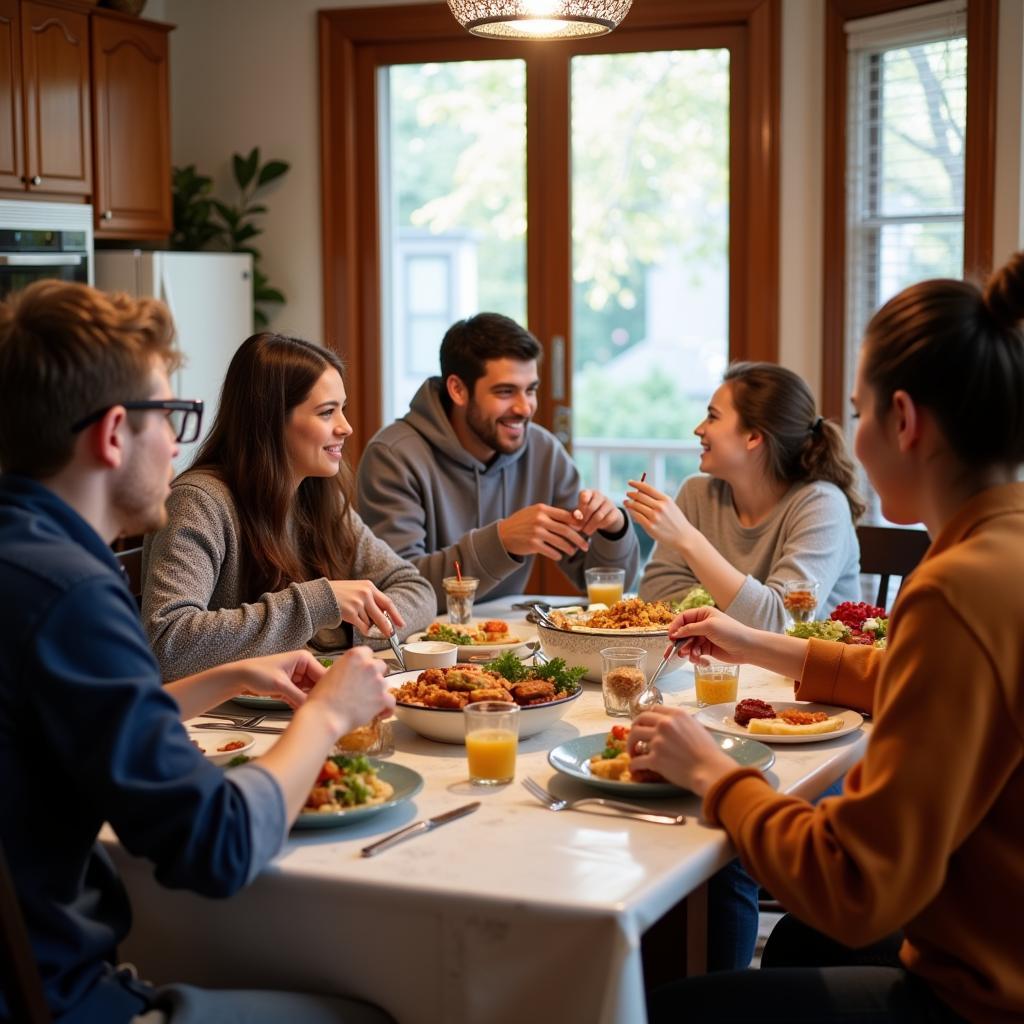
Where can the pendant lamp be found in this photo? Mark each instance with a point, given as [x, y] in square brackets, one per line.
[539, 19]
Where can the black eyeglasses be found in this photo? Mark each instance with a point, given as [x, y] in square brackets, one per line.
[185, 416]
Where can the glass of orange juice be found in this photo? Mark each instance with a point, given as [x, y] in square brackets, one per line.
[492, 736]
[716, 682]
[605, 586]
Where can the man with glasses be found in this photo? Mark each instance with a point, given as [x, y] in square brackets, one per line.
[88, 429]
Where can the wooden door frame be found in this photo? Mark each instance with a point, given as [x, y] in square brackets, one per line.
[350, 42]
[979, 167]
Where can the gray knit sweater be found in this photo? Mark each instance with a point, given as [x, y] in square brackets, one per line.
[808, 535]
[192, 607]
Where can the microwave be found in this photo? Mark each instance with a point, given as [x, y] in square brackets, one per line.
[44, 240]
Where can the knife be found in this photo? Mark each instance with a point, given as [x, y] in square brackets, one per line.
[224, 727]
[417, 828]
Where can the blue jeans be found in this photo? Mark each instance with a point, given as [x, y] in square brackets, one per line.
[732, 912]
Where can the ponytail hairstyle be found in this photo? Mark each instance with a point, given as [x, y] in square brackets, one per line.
[799, 444]
[287, 536]
[958, 351]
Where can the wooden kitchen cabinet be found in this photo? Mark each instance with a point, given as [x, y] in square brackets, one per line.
[131, 129]
[57, 99]
[12, 142]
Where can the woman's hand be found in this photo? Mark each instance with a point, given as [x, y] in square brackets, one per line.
[288, 676]
[658, 514]
[364, 606]
[678, 748]
[710, 633]
[353, 690]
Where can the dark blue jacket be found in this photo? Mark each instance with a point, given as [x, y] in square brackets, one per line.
[88, 735]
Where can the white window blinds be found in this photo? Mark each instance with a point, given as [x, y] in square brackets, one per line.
[906, 129]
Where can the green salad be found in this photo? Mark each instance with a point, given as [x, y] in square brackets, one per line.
[698, 597]
[565, 680]
[450, 635]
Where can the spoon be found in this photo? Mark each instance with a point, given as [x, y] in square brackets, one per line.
[650, 694]
[535, 653]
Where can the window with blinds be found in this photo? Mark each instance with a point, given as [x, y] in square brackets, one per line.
[906, 129]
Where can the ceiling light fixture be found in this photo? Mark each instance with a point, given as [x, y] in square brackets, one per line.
[539, 19]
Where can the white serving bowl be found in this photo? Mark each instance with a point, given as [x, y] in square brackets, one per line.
[584, 647]
[446, 725]
[210, 739]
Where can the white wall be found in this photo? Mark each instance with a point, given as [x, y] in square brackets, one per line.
[245, 73]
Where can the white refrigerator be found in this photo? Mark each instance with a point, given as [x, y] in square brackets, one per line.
[210, 298]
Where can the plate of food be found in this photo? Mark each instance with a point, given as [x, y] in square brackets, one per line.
[431, 701]
[221, 745]
[255, 700]
[600, 759]
[482, 637]
[781, 721]
[349, 789]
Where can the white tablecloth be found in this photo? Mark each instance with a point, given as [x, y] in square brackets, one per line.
[513, 913]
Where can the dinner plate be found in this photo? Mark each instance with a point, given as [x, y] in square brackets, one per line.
[406, 783]
[476, 650]
[718, 717]
[254, 700]
[209, 740]
[573, 758]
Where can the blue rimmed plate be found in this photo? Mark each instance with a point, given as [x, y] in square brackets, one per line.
[405, 782]
[573, 758]
[254, 700]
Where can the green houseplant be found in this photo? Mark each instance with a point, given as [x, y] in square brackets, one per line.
[202, 221]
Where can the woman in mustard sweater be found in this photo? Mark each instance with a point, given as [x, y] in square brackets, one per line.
[927, 836]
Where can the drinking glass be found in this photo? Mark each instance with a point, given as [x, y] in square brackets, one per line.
[800, 599]
[492, 736]
[460, 594]
[622, 678]
[716, 682]
[605, 586]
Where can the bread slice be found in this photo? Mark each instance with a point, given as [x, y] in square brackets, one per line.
[777, 727]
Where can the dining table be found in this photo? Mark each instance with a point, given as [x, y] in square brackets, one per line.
[510, 913]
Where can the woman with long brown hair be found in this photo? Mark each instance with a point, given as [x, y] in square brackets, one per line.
[776, 502]
[262, 551]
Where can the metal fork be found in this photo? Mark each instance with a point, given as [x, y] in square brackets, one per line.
[240, 723]
[553, 803]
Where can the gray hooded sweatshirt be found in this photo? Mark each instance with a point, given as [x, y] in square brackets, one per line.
[435, 504]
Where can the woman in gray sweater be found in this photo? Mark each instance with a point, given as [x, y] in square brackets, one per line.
[777, 503]
[262, 551]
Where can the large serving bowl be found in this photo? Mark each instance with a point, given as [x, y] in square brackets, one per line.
[583, 646]
[446, 725]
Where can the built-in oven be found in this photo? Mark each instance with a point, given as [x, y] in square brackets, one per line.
[44, 240]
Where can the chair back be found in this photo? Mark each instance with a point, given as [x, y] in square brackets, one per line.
[887, 551]
[22, 985]
[131, 563]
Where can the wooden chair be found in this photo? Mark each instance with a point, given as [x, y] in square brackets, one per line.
[887, 551]
[22, 985]
[131, 563]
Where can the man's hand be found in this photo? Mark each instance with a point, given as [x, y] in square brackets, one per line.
[353, 690]
[288, 676]
[542, 530]
[596, 512]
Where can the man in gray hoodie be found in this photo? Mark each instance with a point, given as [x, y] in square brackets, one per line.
[467, 477]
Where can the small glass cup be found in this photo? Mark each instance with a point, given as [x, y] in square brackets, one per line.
[622, 678]
[492, 736]
[716, 682]
[460, 594]
[605, 586]
[375, 740]
[800, 599]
